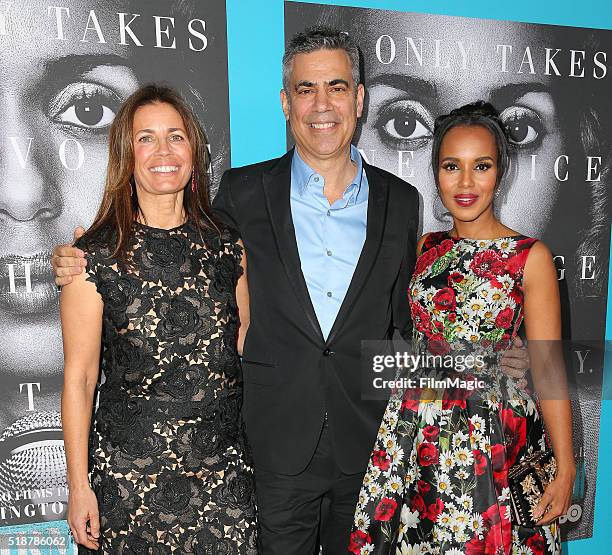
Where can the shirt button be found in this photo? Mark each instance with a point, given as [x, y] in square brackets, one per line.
[329, 212]
[329, 293]
[327, 352]
[316, 179]
[329, 253]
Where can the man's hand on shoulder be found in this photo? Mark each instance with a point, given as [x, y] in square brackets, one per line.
[515, 361]
[68, 261]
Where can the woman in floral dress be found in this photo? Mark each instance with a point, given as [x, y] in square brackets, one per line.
[164, 466]
[437, 481]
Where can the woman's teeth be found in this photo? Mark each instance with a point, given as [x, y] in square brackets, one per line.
[164, 169]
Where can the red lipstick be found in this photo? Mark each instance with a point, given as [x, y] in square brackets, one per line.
[466, 199]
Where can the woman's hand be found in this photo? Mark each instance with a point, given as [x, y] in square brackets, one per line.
[83, 517]
[557, 498]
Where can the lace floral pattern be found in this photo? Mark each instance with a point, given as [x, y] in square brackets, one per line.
[169, 462]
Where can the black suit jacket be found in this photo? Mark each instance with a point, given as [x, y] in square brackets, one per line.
[292, 375]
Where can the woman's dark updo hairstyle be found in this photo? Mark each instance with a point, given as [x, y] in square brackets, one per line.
[479, 113]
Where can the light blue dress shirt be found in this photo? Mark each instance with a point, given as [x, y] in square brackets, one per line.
[329, 237]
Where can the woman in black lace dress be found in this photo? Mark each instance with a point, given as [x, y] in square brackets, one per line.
[164, 466]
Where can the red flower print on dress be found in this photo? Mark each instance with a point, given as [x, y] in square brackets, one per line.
[456, 396]
[411, 399]
[537, 543]
[420, 317]
[480, 462]
[516, 264]
[434, 510]
[444, 299]
[425, 260]
[432, 239]
[417, 504]
[515, 432]
[423, 487]
[475, 294]
[444, 247]
[503, 343]
[385, 509]
[358, 540]
[487, 264]
[498, 531]
[455, 277]
[499, 466]
[430, 433]
[516, 294]
[428, 454]
[504, 318]
[381, 459]
[475, 546]
[437, 345]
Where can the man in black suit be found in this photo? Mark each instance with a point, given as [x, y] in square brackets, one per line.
[310, 432]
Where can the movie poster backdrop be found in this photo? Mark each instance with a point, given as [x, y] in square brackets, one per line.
[66, 67]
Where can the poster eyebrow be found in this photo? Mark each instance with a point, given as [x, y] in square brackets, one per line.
[507, 94]
[57, 69]
[417, 87]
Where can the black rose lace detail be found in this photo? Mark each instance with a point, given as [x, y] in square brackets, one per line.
[169, 460]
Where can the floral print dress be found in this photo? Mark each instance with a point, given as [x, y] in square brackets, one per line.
[437, 480]
[167, 454]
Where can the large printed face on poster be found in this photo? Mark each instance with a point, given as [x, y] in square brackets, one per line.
[551, 86]
[66, 67]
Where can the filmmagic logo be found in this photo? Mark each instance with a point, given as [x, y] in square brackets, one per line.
[428, 383]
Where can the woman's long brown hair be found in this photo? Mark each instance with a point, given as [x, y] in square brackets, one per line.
[119, 207]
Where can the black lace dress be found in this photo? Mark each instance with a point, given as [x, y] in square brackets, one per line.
[167, 453]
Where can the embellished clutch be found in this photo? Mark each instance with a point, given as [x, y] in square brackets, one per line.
[528, 480]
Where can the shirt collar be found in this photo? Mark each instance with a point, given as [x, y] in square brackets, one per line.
[304, 176]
